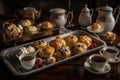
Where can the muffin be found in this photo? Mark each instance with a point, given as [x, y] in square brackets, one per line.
[70, 40]
[63, 52]
[96, 27]
[31, 29]
[79, 47]
[58, 43]
[45, 52]
[25, 22]
[47, 25]
[39, 43]
[85, 39]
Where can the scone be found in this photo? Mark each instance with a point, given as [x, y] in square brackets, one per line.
[25, 22]
[45, 52]
[79, 47]
[70, 40]
[58, 43]
[63, 53]
[96, 27]
[31, 29]
[39, 43]
[47, 25]
[110, 36]
[85, 39]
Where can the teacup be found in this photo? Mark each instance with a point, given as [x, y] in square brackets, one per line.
[27, 61]
[110, 52]
[97, 62]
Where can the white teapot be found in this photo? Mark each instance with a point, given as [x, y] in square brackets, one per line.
[105, 17]
[85, 17]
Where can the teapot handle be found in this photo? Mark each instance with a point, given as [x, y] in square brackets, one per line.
[117, 14]
[91, 11]
[71, 19]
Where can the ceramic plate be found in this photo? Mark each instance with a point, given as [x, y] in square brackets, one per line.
[111, 60]
[106, 69]
[89, 28]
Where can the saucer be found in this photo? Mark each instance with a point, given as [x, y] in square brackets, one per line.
[111, 60]
[106, 69]
[89, 28]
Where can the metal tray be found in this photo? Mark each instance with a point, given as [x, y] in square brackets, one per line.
[9, 58]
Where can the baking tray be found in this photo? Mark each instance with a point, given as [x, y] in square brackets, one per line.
[12, 62]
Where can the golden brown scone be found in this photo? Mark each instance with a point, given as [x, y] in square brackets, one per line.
[51, 60]
[79, 47]
[46, 51]
[110, 35]
[25, 22]
[31, 29]
[47, 25]
[58, 43]
[85, 39]
[39, 43]
[96, 27]
[63, 53]
[70, 40]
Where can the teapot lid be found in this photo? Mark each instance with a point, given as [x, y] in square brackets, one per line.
[31, 9]
[106, 8]
[85, 8]
[57, 10]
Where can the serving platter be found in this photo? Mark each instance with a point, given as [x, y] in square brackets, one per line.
[9, 58]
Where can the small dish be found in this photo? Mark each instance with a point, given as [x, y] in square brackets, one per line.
[106, 69]
[111, 60]
[89, 28]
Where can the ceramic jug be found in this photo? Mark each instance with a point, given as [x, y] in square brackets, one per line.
[85, 17]
[59, 16]
[105, 17]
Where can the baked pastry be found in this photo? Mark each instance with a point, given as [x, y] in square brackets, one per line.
[25, 22]
[63, 52]
[39, 43]
[85, 39]
[70, 40]
[12, 30]
[50, 60]
[45, 52]
[79, 47]
[47, 25]
[30, 49]
[96, 27]
[31, 29]
[110, 36]
[58, 43]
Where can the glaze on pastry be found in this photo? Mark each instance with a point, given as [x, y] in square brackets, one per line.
[39, 43]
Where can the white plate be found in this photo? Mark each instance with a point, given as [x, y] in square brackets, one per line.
[106, 69]
[111, 60]
[89, 28]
